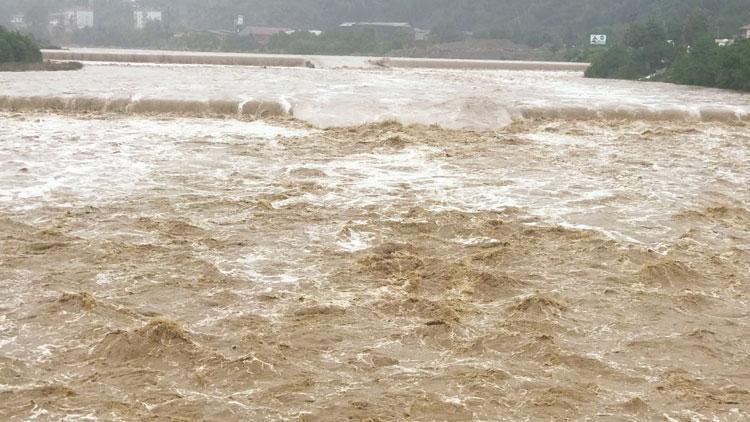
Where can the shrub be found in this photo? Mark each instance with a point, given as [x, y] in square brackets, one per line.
[706, 64]
[614, 63]
[15, 47]
[734, 66]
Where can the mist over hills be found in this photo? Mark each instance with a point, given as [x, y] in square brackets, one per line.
[511, 16]
[531, 22]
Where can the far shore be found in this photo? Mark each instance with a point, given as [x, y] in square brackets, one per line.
[289, 60]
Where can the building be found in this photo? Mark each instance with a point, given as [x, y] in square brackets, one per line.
[263, 34]
[141, 17]
[745, 31]
[421, 34]
[18, 22]
[378, 25]
[403, 25]
[73, 19]
[82, 18]
[723, 42]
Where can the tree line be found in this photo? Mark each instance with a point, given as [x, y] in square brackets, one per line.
[555, 23]
[692, 58]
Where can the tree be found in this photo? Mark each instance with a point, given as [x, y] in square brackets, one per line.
[734, 66]
[645, 52]
[652, 49]
[695, 28]
[617, 62]
[6, 53]
[707, 64]
[15, 47]
[697, 65]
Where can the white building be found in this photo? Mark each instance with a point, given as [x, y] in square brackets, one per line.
[396, 25]
[83, 19]
[723, 42]
[142, 17]
[421, 34]
[18, 22]
[745, 31]
[72, 19]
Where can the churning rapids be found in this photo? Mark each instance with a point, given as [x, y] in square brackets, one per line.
[371, 242]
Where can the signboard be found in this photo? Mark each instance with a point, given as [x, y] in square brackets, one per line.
[240, 19]
[598, 39]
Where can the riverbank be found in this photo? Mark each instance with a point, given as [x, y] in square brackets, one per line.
[48, 66]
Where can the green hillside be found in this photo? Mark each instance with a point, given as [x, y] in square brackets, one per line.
[556, 23]
[527, 21]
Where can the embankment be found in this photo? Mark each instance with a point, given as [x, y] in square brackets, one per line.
[238, 59]
[175, 58]
[482, 64]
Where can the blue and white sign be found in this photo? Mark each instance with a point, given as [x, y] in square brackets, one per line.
[598, 39]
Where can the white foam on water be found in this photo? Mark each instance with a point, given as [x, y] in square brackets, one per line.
[37, 412]
[356, 241]
[7, 340]
[92, 160]
[473, 241]
[262, 266]
[70, 161]
[481, 99]
[76, 417]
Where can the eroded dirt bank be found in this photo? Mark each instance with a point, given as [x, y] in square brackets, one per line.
[233, 271]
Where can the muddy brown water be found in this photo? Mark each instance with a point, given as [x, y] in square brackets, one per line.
[216, 268]
[536, 247]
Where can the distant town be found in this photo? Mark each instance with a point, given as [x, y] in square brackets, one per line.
[73, 19]
[140, 18]
[139, 24]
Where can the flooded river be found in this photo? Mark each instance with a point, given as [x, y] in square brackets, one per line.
[383, 244]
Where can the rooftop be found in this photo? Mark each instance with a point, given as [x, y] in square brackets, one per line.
[389, 24]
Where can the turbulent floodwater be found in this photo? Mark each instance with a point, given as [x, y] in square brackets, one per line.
[204, 268]
[350, 91]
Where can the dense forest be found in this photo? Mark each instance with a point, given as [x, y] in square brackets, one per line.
[529, 22]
